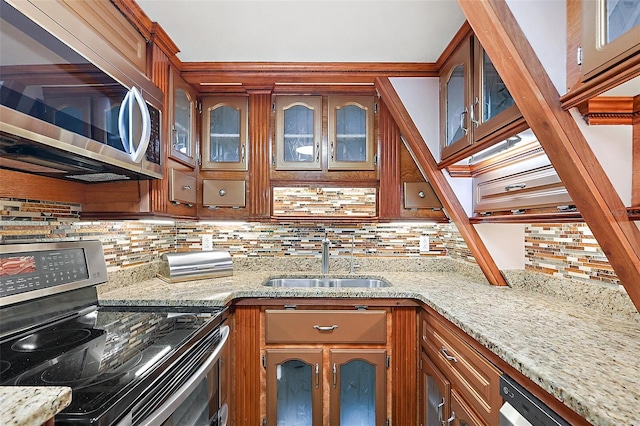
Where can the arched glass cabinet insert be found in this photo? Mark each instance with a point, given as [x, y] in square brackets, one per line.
[298, 132]
[351, 134]
[224, 133]
[294, 387]
[183, 121]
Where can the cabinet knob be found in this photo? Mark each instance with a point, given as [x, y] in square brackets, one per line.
[222, 192]
[187, 187]
[421, 194]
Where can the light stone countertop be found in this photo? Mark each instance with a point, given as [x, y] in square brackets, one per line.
[31, 405]
[585, 358]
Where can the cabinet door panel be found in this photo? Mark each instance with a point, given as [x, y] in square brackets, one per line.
[294, 387]
[434, 397]
[298, 132]
[351, 133]
[455, 97]
[183, 124]
[224, 133]
[358, 387]
[462, 414]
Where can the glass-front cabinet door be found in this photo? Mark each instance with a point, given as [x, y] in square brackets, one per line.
[493, 106]
[298, 132]
[351, 140]
[462, 414]
[294, 387]
[434, 394]
[224, 133]
[610, 34]
[358, 386]
[183, 124]
[455, 97]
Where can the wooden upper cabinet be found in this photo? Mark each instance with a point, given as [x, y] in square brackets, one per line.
[351, 133]
[475, 104]
[610, 34]
[304, 142]
[225, 133]
[298, 132]
[183, 121]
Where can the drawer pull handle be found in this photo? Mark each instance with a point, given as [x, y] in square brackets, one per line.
[325, 327]
[421, 194]
[515, 186]
[187, 187]
[222, 192]
[443, 351]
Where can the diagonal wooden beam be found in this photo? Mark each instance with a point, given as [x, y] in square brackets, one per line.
[429, 169]
[559, 135]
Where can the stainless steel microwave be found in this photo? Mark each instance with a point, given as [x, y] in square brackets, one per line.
[67, 109]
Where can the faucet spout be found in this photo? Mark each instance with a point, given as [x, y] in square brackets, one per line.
[325, 255]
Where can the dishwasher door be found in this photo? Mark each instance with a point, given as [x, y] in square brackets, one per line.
[521, 408]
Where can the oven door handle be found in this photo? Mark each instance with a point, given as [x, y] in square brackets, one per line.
[179, 396]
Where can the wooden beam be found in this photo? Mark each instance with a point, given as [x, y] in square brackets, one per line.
[559, 135]
[429, 169]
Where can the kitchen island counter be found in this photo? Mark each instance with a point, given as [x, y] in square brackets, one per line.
[586, 359]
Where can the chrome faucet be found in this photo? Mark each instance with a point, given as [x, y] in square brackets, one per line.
[325, 255]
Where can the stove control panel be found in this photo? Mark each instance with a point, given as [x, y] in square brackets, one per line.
[49, 265]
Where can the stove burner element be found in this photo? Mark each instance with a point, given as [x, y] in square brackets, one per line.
[52, 339]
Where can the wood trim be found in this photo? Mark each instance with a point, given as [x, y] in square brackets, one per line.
[389, 197]
[216, 76]
[609, 110]
[429, 169]
[635, 186]
[134, 13]
[28, 186]
[464, 32]
[246, 366]
[558, 133]
[529, 218]
[259, 192]
[162, 41]
[404, 366]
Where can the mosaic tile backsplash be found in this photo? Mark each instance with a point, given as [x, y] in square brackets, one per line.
[563, 250]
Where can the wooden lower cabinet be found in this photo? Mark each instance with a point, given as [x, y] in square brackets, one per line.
[305, 386]
[459, 386]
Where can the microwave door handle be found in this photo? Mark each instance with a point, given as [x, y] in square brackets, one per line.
[178, 397]
[146, 127]
[122, 128]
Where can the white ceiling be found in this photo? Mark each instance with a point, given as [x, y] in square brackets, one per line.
[307, 30]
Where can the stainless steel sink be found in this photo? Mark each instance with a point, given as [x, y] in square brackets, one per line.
[327, 282]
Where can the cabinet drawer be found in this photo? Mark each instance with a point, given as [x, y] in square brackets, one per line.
[182, 187]
[540, 187]
[331, 326]
[223, 193]
[469, 372]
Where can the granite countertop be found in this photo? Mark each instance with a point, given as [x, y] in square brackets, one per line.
[587, 359]
[31, 405]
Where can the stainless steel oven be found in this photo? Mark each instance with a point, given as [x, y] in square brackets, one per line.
[127, 365]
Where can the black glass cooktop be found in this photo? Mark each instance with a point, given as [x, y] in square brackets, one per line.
[106, 356]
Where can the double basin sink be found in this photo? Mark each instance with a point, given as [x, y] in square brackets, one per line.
[327, 282]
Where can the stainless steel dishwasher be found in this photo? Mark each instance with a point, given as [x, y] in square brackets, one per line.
[521, 408]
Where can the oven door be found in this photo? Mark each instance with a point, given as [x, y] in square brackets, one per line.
[198, 401]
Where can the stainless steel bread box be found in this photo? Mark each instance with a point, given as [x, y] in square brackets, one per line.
[197, 265]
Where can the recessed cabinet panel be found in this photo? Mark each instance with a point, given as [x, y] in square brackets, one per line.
[287, 326]
[223, 193]
[420, 195]
[224, 133]
[182, 188]
[350, 124]
[298, 132]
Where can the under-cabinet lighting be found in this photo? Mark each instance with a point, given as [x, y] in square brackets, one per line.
[421, 223]
[220, 84]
